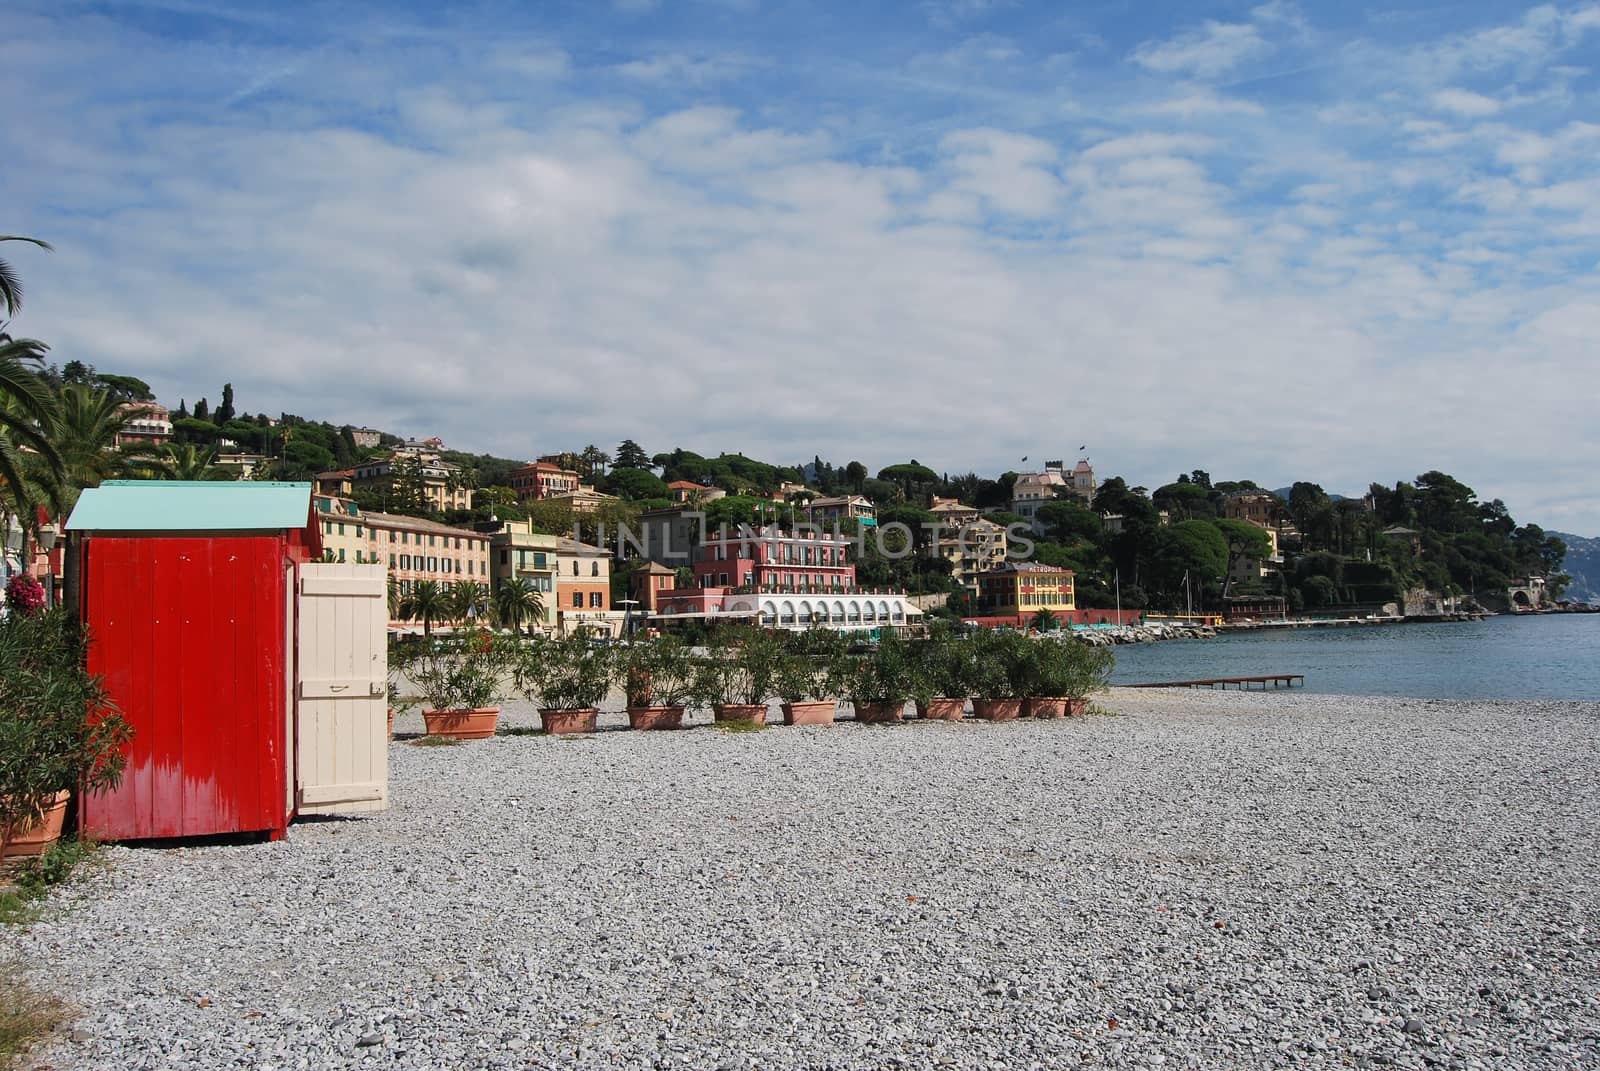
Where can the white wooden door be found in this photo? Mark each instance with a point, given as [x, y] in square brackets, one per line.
[342, 740]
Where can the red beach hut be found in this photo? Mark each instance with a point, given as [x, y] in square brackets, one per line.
[188, 591]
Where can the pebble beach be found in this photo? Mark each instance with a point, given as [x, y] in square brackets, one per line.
[1188, 879]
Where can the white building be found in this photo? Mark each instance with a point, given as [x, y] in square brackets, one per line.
[1033, 489]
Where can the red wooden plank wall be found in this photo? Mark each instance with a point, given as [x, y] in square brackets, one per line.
[189, 634]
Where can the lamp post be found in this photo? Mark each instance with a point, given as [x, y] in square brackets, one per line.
[47, 542]
[627, 616]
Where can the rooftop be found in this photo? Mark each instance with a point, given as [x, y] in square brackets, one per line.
[186, 506]
[416, 524]
[1030, 567]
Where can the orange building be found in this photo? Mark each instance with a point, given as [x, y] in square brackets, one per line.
[648, 582]
[583, 589]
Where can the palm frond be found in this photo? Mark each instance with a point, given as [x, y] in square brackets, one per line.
[10, 281]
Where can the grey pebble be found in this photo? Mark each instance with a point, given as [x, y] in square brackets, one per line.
[1399, 884]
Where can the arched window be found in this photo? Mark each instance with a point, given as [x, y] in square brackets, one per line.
[594, 568]
[574, 568]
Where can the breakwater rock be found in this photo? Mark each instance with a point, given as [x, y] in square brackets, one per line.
[1125, 634]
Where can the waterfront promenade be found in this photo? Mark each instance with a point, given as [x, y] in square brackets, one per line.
[1203, 880]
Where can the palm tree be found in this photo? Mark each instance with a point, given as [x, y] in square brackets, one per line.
[1044, 620]
[190, 462]
[466, 600]
[516, 603]
[10, 284]
[426, 602]
[86, 434]
[28, 415]
[394, 598]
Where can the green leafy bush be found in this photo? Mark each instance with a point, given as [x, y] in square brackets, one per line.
[742, 668]
[569, 673]
[943, 670]
[658, 672]
[809, 666]
[889, 673]
[58, 727]
[464, 670]
[998, 664]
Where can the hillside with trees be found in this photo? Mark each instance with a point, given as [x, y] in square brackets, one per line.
[1161, 549]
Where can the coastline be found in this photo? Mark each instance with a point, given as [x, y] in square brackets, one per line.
[1214, 879]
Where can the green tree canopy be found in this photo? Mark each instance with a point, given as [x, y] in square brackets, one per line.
[630, 455]
[635, 483]
[1067, 522]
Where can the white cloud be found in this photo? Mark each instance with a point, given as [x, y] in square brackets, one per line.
[1201, 104]
[1149, 145]
[1541, 33]
[712, 141]
[523, 266]
[1011, 173]
[533, 63]
[677, 68]
[1464, 102]
[1213, 49]
[979, 51]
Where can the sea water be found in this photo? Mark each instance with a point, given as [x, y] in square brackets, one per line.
[1553, 656]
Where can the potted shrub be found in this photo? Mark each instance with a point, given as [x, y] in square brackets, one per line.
[1045, 678]
[59, 729]
[941, 688]
[658, 677]
[997, 672]
[805, 678]
[461, 678]
[567, 679]
[1089, 672]
[880, 683]
[740, 675]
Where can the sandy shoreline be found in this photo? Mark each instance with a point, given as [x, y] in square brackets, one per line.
[1202, 879]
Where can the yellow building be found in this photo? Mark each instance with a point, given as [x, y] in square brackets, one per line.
[517, 551]
[584, 500]
[1022, 589]
[409, 548]
[442, 483]
[976, 547]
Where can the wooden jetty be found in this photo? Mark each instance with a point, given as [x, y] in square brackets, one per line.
[1276, 680]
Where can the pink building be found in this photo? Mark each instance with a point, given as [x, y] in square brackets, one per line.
[776, 561]
[147, 423]
[784, 581]
[542, 479]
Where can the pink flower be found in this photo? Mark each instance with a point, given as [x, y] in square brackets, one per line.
[24, 594]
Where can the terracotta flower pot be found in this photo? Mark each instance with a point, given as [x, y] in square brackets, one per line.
[749, 713]
[391, 723]
[811, 712]
[943, 709]
[1045, 707]
[473, 724]
[997, 709]
[1078, 707]
[643, 718]
[32, 838]
[571, 720]
[878, 713]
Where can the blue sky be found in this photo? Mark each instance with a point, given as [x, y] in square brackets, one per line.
[1272, 240]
